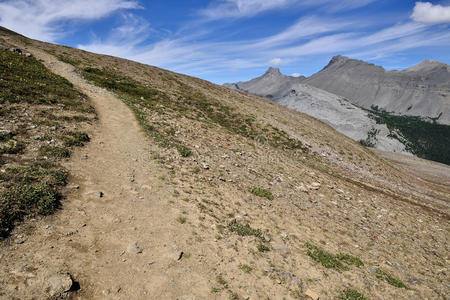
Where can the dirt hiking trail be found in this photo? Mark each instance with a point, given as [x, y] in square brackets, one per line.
[122, 245]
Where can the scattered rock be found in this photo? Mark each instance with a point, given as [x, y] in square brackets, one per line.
[244, 213]
[369, 283]
[134, 249]
[293, 280]
[312, 294]
[283, 249]
[314, 186]
[59, 284]
[283, 235]
[16, 50]
[179, 255]
[231, 244]
[266, 238]
[205, 166]
[414, 280]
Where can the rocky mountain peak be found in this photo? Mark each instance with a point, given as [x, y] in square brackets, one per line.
[427, 64]
[273, 71]
[337, 60]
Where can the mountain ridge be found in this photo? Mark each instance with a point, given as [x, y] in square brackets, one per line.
[421, 90]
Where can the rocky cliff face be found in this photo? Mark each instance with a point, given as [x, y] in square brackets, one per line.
[422, 90]
[331, 109]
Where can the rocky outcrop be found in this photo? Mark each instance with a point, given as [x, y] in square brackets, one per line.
[422, 90]
[331, 109]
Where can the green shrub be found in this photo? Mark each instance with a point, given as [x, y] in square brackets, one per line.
[184, 151]
[244, 229]
[350, 294]
[75, 138]
[13, 147]
[329, 260]
[261, 193]
[30, 190]
[262, 248]
[54, 151]
[382, 275]
[245, 268]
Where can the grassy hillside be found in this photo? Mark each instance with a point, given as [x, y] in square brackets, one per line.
[41, 115]
[265, 202]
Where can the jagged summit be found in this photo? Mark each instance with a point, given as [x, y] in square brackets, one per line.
[273, 71]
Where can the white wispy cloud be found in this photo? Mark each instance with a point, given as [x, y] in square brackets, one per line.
[276, 61]
[41, 19]
[188, 55]
[199, 50]
[221, 9]
[242, 8]
[428, 13]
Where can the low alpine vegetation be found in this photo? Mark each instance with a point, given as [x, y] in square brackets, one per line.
[339, 261]
[261, 193]
[351, 294]
[382, 275]
[244, 229]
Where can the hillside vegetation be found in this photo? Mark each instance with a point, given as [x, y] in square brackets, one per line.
[423, 138]
[41, 114]
[228, 196]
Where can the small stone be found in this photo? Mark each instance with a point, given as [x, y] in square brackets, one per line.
[58, 284]
[179, 255]
[205, 166]
[134, 249]
[231, 244]
[19, 242]
[369, 283]
[314, 186]
[244, 213]
[151, 262]
[283, 235]
[117, 289]
[282, 248]
[267, 238]
[312, 294]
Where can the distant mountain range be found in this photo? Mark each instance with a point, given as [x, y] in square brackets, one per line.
[397, 111]
[422, 90]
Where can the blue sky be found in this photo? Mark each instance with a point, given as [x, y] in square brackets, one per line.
[231, 40]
